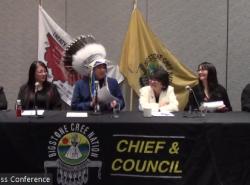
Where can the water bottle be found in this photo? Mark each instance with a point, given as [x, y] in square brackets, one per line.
[18, 108]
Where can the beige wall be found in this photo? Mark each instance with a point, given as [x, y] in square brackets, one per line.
[194, 30]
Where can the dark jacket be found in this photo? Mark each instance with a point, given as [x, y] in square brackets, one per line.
[219, 94]
[82, 96]
[245, 98]
[48, 98]
[3, 101]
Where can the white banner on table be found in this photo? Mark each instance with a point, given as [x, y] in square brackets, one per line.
[32, 112]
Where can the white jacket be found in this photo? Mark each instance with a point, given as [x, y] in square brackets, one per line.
[147, 99]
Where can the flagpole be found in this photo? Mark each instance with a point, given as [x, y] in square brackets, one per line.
[39, 5]
[131, 100]
[131, 90]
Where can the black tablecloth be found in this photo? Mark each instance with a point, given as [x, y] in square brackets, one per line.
[131, 149]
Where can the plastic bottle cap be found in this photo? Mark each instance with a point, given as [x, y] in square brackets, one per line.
[18, 102]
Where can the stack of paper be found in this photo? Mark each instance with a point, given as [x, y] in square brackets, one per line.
[162, 113]
[212, 106]
[104, 96]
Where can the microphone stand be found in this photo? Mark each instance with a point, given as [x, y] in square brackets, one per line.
[196, 101]
[35, 103]
[96, 106]
[35, 100]
[189, 106]
[191, 113]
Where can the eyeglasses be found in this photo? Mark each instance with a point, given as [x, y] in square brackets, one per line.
[198, 70]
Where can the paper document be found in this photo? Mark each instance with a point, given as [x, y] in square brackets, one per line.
[77, 114]
[104, 96]
[212, 106]
[32, 112]
[162, 113]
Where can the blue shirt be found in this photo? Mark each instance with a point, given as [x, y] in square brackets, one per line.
[82, 97]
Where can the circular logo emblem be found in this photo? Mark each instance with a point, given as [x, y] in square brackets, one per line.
[73, 148]
[151, 64]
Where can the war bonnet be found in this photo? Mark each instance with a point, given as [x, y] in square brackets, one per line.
[83, 54]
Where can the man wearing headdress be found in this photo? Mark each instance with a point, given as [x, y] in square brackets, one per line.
[89, 61]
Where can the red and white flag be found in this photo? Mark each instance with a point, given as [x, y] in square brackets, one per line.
[52, 42]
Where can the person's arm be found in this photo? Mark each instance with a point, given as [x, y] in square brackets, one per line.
[144, 99]
[171, 101]
[3, 100]
[78, 102]
[118, 94]
[245, 99]
[56, 99]
[225, 100]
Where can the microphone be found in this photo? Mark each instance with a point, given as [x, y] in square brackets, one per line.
[194, 95]
[96, 107]
[188, 88]
[36, 87]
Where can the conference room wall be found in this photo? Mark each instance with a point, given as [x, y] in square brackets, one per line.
[194, 31]
[239, 49]
[18, 44]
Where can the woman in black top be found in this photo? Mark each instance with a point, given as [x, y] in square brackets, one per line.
[3, 101]
[208, 89]
[39, 89]
[245, 99]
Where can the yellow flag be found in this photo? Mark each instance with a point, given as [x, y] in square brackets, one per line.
[143, 52]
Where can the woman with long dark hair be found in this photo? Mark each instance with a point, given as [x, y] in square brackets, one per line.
[38, 91]
[208, 89]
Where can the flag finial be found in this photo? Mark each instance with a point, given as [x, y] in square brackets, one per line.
[135, 4]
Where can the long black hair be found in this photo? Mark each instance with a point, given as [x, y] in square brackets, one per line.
[32, 72]
[212, 80]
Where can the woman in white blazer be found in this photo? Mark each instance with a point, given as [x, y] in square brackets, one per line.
[158, 95]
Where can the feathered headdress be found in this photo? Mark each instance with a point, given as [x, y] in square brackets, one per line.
[83, 54]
